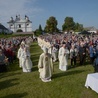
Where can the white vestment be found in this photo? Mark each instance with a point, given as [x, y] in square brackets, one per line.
[54, 54]
[26, 61]
[45, 67]
[63, 58]
[19, 54]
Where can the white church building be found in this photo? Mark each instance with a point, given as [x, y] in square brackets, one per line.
[19, 24]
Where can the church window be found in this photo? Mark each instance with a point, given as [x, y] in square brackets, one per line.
[19, 26]
[11, 25]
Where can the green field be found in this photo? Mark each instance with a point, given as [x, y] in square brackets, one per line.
[69, 84]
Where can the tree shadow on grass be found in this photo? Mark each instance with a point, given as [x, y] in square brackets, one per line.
[35, 60]
[13, 66]
[34, 68]
[35, 57]
[35, 63]
[78, 65]
[62, 74]
[8, 83]
[19, 95]
[4, 75]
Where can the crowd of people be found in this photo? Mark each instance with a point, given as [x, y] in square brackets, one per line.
[79, 49]
[9, 48]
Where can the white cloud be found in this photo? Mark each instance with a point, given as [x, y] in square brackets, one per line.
[12, 8]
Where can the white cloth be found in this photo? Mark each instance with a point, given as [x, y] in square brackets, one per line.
[26, 61]
[63, 58]
[45, 67]
[19, 56]
[54, 54]
[92, 81]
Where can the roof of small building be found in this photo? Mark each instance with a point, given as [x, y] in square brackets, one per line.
[3, 27]
[91, 28]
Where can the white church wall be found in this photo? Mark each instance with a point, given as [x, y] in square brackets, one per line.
[29, 27]
[20, 24]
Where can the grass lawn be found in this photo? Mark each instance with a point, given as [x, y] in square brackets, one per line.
[69, 84]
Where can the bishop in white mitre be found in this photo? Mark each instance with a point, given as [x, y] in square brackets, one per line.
[45, 66]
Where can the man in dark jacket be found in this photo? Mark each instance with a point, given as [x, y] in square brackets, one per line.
[96, 61]
[82, 54]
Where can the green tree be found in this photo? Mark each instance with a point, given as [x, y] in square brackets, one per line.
[78, 27]
[40, 28]
[51, 25]
[69, 24]
[38, 31]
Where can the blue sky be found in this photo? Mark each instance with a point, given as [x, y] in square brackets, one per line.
[83, 11]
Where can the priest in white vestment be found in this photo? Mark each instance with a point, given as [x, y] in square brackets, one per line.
[63, 58]
[54, 53]
[26, 61]
[45, 66]
[19, 54]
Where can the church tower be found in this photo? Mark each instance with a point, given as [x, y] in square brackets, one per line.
[19, 24]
